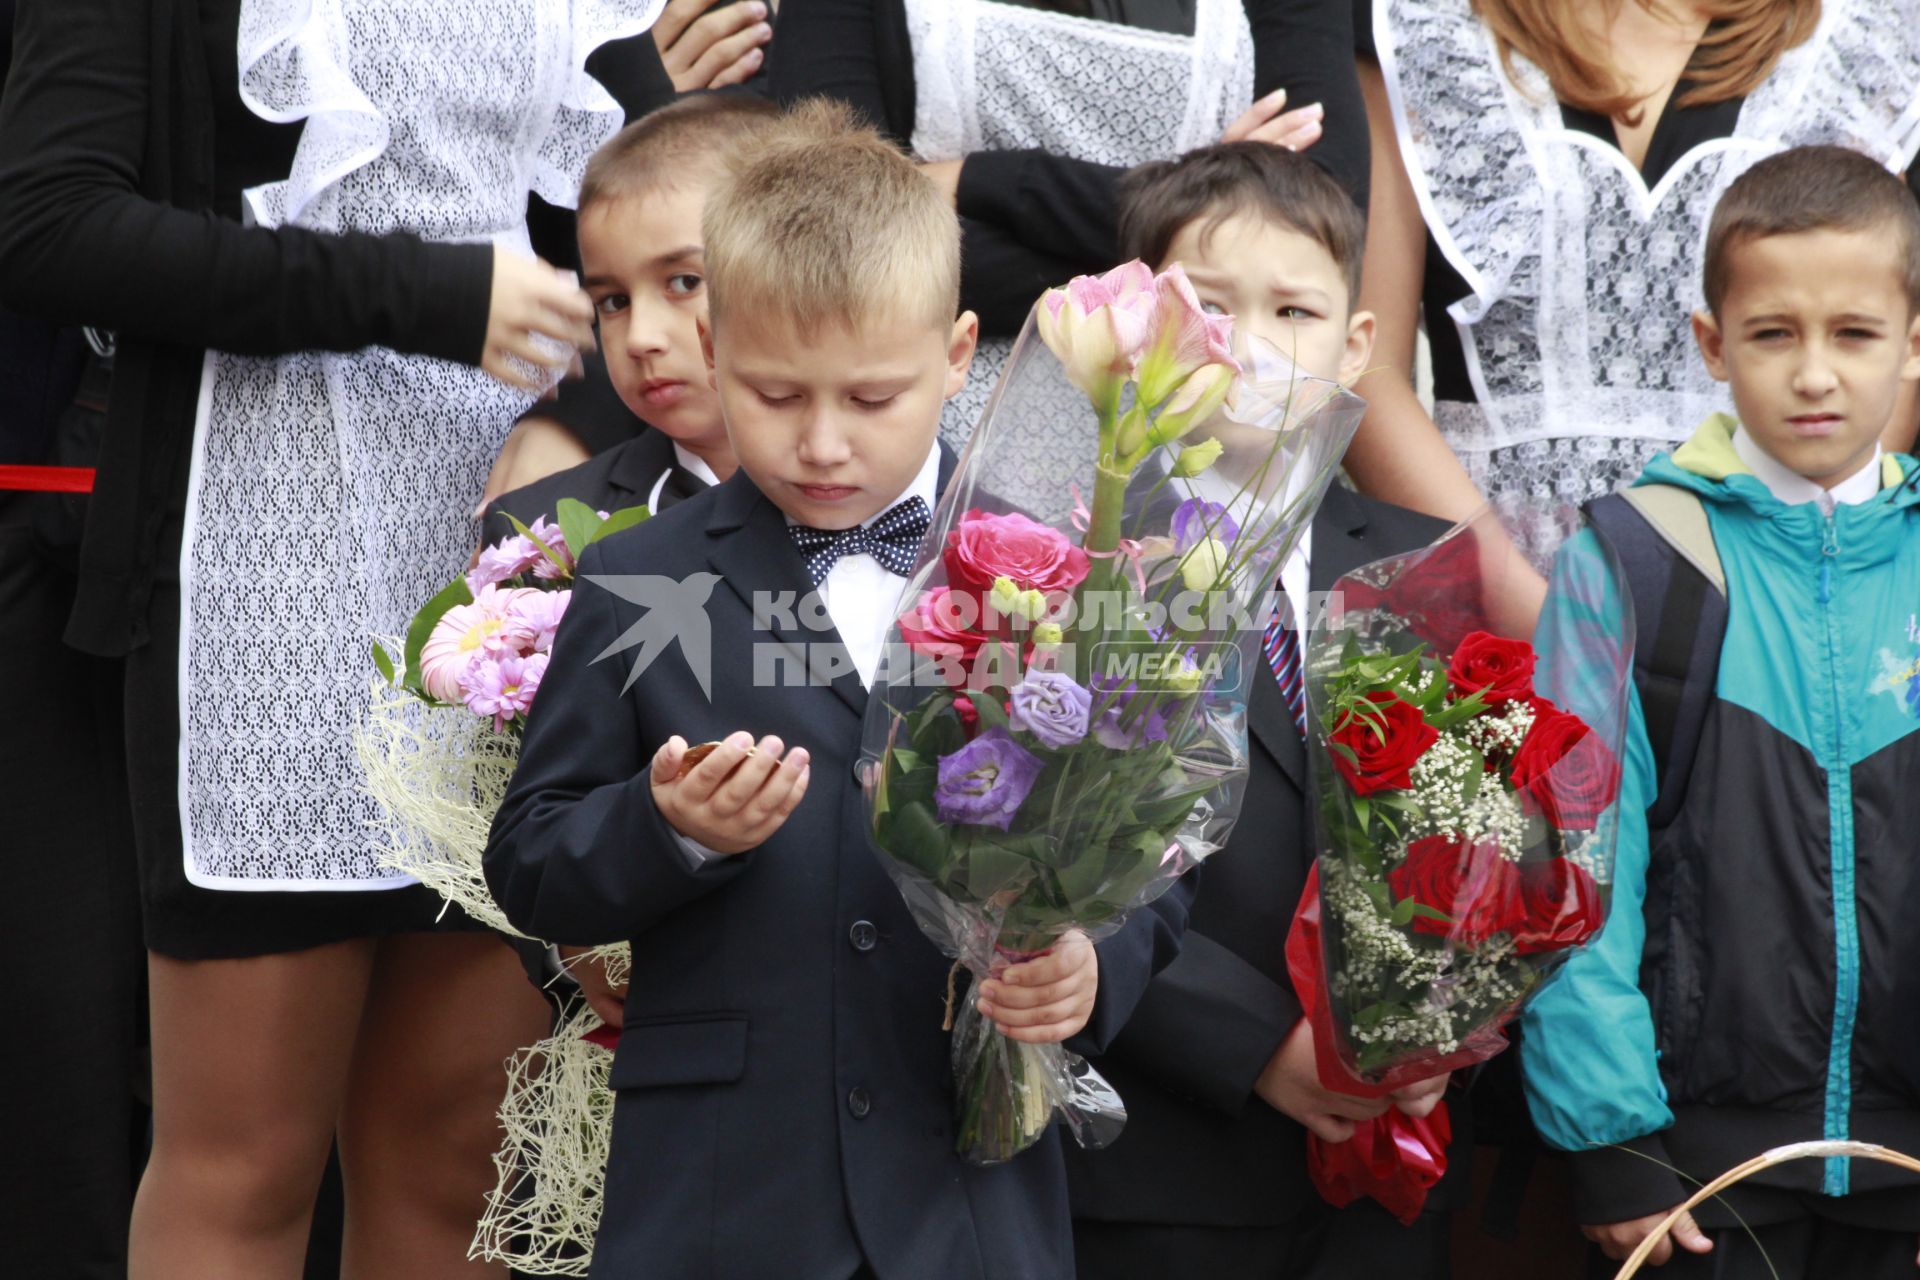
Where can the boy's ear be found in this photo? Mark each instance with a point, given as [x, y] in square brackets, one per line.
[1353, 361]
[1910, 368]
[960, 348]
[705, 326]
[1713, 343]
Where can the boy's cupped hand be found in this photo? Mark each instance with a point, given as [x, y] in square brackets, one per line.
[736, 797]
[1047, 999]
[1618, 1240]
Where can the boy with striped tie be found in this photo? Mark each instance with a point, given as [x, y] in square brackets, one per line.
[1217, 1065]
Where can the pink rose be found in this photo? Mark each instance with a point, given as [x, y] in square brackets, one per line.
[1035, 557]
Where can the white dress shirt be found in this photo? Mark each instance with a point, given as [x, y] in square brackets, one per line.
[1792, 488]
[689, 461]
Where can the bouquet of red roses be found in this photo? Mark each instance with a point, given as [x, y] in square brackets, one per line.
[1465, 786]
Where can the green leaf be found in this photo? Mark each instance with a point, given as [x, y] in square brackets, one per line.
[625, 518]
[1471, 790]
[911, 836]
[1425, 912]
[1363, 811]
[578, 522]
[383, 662]
[453, 594]
[906, 760]
[992, 714]
[1403, 913]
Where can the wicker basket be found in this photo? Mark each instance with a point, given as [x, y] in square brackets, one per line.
[1765, 1160]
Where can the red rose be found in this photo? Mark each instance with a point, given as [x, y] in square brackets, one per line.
[938, 626]
[1498, 669]
[1472, 885]
[1036, 557]
[1564, 772]
[1560, 907]
[1384, 749]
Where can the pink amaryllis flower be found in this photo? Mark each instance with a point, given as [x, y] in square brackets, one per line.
[487, 627]
[1184, 338]
[1098, 325]
[503, 687]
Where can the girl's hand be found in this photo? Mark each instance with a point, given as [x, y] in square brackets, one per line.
[1047, 999]
[1265, 122]
[704, 50]
[539, 320]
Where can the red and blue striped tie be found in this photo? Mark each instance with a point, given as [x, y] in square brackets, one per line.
[1282, 647]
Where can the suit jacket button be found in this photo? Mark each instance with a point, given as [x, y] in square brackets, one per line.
[863, 935]
[859, 1102]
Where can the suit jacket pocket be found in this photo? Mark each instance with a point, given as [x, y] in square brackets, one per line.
[697, 1050]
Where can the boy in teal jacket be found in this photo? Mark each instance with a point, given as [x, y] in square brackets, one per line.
[1739, 997]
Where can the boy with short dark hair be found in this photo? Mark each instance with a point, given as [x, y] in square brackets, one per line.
[1209, 1182]
[1740, 995]
[641, 262]
[784, 1094]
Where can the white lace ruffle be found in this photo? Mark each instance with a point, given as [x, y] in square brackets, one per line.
[330, 493]
[1582, 279]
[327, 62]
[1001, 77]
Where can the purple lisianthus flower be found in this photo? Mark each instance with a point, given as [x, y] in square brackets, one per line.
[508, 558]
[1111, 728]
[502, 687]
[1051, 706]
[986, 781]
[1196, 519]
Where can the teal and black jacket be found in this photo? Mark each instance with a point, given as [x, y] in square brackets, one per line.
[1741, 995]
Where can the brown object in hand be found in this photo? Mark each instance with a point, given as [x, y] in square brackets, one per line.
[694, 756]
[698, 753]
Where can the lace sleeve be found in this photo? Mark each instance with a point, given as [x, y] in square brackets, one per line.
[588, 115]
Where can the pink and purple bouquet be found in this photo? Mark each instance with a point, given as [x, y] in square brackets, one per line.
[483, 641]
[1058, 730]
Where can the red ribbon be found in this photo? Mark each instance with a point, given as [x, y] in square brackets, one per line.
[46, 479]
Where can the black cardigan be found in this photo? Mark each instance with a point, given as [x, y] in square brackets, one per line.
[1032, 219]
[123, 145]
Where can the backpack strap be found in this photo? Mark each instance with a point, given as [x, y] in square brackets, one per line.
[1663, 540]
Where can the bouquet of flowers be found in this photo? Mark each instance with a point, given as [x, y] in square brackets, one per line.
[1058, 729]
[441, 743]
[438, 751]
[1465, 788]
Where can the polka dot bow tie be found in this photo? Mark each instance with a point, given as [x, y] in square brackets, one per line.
[893, 540]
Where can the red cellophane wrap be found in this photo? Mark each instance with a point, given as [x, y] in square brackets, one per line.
[1395, 1158]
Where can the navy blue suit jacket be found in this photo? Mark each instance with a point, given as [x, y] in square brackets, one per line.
[784, 1094]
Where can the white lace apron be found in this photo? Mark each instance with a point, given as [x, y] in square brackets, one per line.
[330, 493]
[1582, 280]
[1002, 77]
